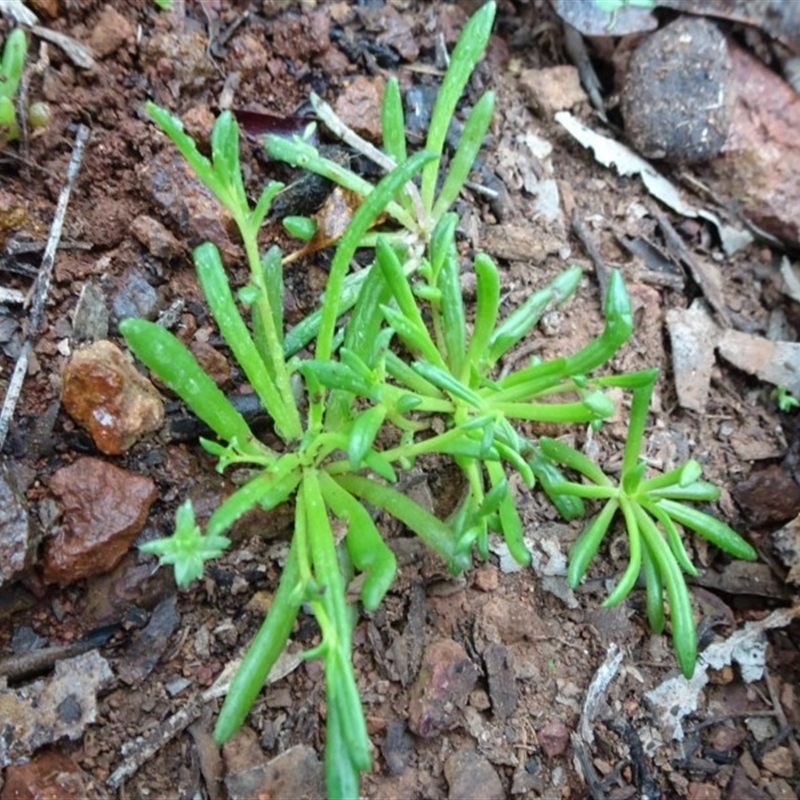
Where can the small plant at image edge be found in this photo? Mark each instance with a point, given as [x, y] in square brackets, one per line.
[13, 62]
[653, 509]
[613, 7]
[356, 414]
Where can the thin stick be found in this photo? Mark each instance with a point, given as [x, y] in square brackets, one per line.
[41, 286]
[583, 738]
[587, 240]
[781, 714]
[596, 692]
[360, 145]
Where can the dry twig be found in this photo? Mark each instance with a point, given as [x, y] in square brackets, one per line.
[42, 285]
[583, 738]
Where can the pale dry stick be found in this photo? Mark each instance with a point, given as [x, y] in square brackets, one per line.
[596, 691]
[18, 12]
[11, 296]
[350, 137]
[72, 48]
[583, 738]
[42, 285]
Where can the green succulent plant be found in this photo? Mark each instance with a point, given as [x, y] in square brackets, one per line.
[400, 378]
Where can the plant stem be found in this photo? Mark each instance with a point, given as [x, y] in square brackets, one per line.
[633, 444]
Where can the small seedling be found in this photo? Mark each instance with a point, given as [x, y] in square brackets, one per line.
[785, 399]
[11, 66]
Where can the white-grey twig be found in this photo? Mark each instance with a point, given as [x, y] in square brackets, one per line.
[361, 145]
[41, 286]
[596, 692]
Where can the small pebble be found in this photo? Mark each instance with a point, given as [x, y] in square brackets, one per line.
[102, 391]
[90, 321]
[552, 89]
[136, 298]
[104, 509]
[554, 738]
[445, 680]
[470, 775]
[486, 578]
[779, 762]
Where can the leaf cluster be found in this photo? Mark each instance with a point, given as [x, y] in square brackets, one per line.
[653, 509]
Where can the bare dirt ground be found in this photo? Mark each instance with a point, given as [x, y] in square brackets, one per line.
[532, 648]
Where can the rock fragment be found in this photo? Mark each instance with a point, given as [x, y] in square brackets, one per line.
[195, 213]
[760, 161]
[741, 787]
[359, 106]
[552, 89]
[155, 238]
[769, 495]
[104, 509]
[470, 775]
[442, 688]
[303, 37]
[777, 363]
[693, 335]
[90, 320]
[391, 29]
[111, 33]
[779, 762]
[135, 298]
[45, 711]
[296, 773]
[47, 775]
[502, 680]
[396, 747]
[15, 527]
[103, 392]
[554, 739]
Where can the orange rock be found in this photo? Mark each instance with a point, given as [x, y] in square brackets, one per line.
[48, 776]
[359, 106]
[760, 160]
[104, 509]
[103, 392]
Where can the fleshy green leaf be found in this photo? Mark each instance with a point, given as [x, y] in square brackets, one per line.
[187, 549]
